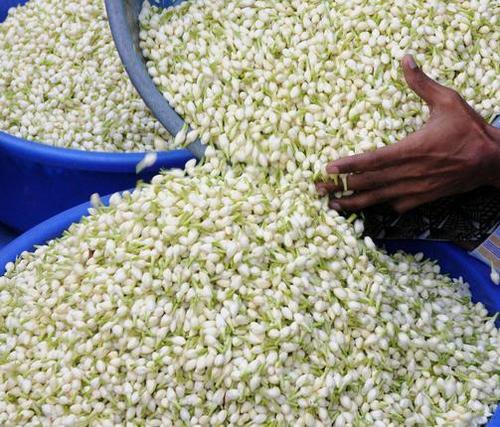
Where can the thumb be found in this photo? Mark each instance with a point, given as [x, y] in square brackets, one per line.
[428, 89]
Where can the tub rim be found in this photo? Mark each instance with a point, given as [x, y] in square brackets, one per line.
[70, 158]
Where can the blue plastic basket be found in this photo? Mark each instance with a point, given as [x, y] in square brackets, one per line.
[38, 181]
[452, 259]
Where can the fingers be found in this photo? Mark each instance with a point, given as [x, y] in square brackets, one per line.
[407, 203]
[324, 188]
[369, 198]
[382, 158]
[429, 90]
[373, 160]
[367, 180]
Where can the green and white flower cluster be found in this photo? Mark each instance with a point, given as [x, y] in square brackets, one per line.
[213, 300]
[62, 82]
[307, 82]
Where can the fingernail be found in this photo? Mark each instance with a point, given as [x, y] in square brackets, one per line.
[335, 206]
[411, 62]
[334, 170]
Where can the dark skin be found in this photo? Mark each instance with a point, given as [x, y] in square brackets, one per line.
[456, 151]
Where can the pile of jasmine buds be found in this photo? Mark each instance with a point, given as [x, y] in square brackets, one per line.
[219, 299]
[62, 82]
[301, 83]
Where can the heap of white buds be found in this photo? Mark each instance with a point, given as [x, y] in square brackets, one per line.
[62, 82]
[307, 82]
[211, 299]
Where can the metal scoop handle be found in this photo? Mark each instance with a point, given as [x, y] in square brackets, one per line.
[123, 18]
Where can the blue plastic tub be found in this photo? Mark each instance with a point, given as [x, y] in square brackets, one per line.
[452, 259]
[5, 5]
[38, 181]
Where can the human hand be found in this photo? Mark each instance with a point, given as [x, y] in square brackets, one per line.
[455, 151]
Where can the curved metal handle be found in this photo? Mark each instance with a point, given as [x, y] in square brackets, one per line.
[123, 16]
